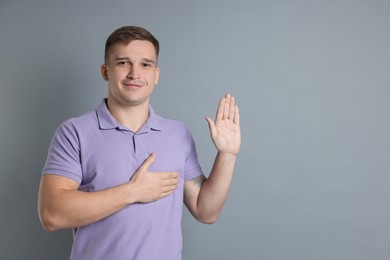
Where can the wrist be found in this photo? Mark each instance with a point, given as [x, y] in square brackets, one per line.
[227, 156]
[127, 192]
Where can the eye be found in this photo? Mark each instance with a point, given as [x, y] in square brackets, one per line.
[123, 63]
[146, 65]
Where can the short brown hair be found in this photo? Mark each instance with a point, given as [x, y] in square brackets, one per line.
[127, 34]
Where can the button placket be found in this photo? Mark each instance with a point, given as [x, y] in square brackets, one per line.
[139, 150]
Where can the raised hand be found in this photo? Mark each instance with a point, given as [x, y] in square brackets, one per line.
[151, 186]
[225, 130]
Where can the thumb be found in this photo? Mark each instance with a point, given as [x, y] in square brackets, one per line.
[211, 125]
[146, 164]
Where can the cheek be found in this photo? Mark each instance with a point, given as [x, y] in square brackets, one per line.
[149, 78]
[115, 78]
[113, 84]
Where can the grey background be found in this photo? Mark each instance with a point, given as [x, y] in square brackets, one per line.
[312, 81]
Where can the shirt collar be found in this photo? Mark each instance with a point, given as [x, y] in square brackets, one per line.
[107, 121]
[153, 120]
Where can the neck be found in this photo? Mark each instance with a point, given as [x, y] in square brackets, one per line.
[132, 117]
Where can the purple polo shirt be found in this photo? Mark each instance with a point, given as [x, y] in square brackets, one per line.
[98, 152]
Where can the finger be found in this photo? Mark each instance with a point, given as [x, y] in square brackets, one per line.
[169, 175]
[168, 189]
[167, 193]
[232, 108]
[170, 184]
[236, 119]
[220, 109]
[226, 107]
[146, 164]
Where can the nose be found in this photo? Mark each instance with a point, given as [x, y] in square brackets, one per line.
[134, 72]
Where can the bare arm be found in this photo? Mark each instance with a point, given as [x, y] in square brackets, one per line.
[61, 205]
[205, 197]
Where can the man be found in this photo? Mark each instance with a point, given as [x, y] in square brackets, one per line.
[119, 175]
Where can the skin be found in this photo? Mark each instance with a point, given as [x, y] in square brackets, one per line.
[132, 73]
[205, 197]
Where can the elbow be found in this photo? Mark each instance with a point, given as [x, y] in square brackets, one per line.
[48, 221]
[209, 220]
[48, 225]
[206, 215]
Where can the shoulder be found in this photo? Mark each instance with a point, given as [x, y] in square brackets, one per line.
[86, 120]
[177, 132]
[168, 124]
[76, 126]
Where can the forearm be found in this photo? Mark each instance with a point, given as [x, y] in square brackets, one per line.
[62, 205]
[214, 190]
[205, 201]
[72, 208]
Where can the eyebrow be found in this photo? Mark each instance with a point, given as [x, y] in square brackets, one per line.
[128, 59]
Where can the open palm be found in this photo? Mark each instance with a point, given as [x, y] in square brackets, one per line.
[225, 130]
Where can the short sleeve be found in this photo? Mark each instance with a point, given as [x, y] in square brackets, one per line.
[192, 168]
[63, 157]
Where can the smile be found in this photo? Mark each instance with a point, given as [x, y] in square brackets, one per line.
[132, 84]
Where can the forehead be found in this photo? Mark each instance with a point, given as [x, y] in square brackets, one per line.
[137, 49]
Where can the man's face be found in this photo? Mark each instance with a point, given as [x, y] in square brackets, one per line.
[131, 72]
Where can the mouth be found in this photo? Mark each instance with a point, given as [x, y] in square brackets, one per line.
[133, 85]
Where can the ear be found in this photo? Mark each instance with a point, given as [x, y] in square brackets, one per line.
[157, 76]
[103, 71]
